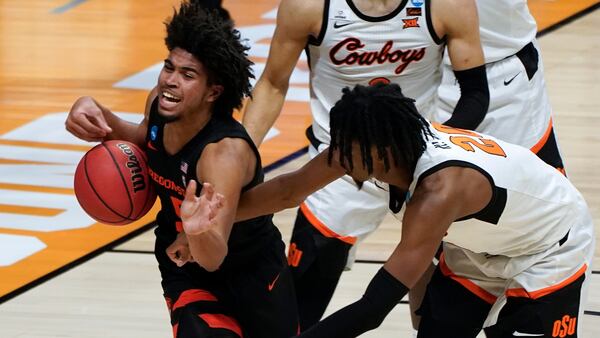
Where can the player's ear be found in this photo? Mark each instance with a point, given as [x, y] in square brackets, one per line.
[214, 92]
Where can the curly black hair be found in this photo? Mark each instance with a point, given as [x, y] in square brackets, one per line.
[214, 4]
[378, 116]
[211, 38]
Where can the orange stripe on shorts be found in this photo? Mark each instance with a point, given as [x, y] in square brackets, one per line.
[521, 292]
[193, 295]
[323, 229]
[538, 146]
[466, 283]
[222, 322]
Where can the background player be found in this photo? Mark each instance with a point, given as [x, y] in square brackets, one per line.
[519, 110]
[238, 283]
[518, 237]
[359, 42]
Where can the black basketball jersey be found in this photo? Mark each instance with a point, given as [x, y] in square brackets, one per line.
[170, 173]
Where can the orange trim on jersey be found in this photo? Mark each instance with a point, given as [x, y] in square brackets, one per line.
[538, 146]
[323, 229]
[466, 283]
[222, 322]
[520, 292]
[194, 295]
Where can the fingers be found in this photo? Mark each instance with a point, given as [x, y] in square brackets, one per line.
[178, 254]
[81, 133]
[100, 122]
[86, 120]
[215, 205]
[89, 124]
[190, 191]
[220, 200]
[207, 191]
[173, 255]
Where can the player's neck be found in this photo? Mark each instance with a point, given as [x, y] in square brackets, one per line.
[397, 176]
[180, 132]
[376, 8]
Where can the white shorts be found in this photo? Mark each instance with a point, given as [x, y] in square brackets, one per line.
[495, 278]
[519, 110]
[343, 211]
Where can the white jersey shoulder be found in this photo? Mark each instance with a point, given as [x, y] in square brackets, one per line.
[354, 48]
[533, 205]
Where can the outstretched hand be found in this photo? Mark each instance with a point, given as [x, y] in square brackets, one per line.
[198, 213]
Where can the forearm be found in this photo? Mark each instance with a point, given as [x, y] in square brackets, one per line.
[208, 249]
[474, 99]
[267, 198]
[382, 294]
[121, 129]
[263, 109]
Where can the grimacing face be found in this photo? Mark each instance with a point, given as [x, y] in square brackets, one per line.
[183, 87]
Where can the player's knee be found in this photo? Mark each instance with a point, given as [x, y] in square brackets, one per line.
[192, 324]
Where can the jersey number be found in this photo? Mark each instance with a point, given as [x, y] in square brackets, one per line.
[469, 139]
[177, 206]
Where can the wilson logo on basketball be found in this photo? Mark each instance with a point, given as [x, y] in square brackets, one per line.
[564, 327]
[137, 178]
[338, 55]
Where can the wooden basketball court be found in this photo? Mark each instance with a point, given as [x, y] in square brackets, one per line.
[63, 275]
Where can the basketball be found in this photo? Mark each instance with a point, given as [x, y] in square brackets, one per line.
[112, 184]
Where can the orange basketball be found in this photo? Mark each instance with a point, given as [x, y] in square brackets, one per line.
[112, 183]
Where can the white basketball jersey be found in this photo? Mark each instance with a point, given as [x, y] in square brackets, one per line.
[533, 205]
[353, 48]
[505, 26]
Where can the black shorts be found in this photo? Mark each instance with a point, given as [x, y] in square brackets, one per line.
[450, 310]
[255, 300]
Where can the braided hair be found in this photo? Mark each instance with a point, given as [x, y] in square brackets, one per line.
[211, 39]
[377, 116]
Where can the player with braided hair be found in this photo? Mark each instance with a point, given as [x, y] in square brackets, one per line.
[518, 236]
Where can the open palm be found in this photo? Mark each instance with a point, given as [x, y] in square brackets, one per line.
[198, 214]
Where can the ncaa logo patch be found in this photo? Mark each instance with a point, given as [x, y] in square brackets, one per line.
[153, 133]
[417, 3]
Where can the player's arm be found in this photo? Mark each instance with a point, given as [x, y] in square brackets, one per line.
[93, 122]
[228, 165]
[466, 55]
[440, 199]
[290, 189]
[296, 21]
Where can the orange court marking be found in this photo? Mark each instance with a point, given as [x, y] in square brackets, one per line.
[46, 65]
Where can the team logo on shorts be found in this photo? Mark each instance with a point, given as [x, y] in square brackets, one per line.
[564, 327]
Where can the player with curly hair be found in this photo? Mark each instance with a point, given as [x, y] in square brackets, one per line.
[231, 280]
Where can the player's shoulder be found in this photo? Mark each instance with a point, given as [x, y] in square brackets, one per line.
[228, 147]
[304, 9]
[451, 7]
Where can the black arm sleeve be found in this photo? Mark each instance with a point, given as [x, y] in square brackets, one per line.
[383, 293]
[474, 99]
